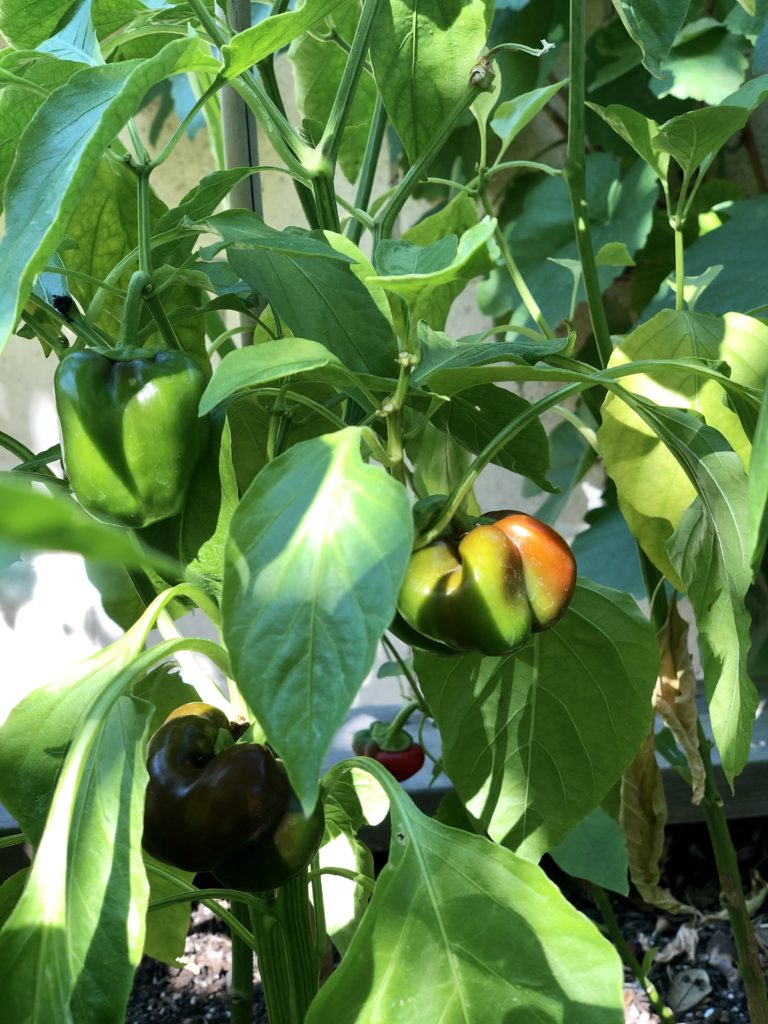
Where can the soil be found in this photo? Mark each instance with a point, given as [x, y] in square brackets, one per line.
[702, 972]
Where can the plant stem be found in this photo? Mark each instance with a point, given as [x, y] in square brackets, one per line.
[170, 145]
[293, 900]
[385, 218]
[514, 271]
[330, 142]
[241, 985]
[353, 876]
[603, 904]
[575, 175]
[368, 170]
[732, 892]
[679, 270]
[287, 956]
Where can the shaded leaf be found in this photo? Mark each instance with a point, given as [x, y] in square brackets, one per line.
[533, 742]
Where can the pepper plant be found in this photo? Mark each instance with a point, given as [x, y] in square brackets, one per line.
[278, 427]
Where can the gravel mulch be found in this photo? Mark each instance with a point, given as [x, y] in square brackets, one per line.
[694, 970]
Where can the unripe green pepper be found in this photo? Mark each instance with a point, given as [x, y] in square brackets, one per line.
[232, 813]
[489, 589]
[130, 432]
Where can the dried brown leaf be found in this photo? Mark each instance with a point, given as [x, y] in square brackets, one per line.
[675, 695]
[684, 943]
[642, 817]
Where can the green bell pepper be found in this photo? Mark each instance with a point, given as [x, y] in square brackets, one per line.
[130, 432]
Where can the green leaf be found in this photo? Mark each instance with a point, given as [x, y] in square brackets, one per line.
[709, 553]
[757, 493]
[535, 741]
[421, 61]
[78, 793]
[606, 552]
[697, 135]
[653, 26]
[492, 935]
[439, 264]
[739, 246]
[317, 550]
[455, 218]
[513, 115]
[474, 417]
[265, 363]
[595, 850]
[706, 65]
[166, 927]
[614, 254]
[439, 353]
[198, 203]
[312, 288]
[637, 130]
[653, 490]
[36, 521]
[18, 104]
[351, 800]
[439, 463]
[254, 44]
[27, 24]
[84, 119]
[620, 210]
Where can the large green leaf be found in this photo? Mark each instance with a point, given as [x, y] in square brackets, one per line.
[315, 558]
[757, 522]
[653, 26]
[653, 490]
[266, 363]
[254, 44]
[439, 463]
[597, 851]
[707, 64]
[460, 930]
[82, 119]
[710, 554]
[77, 792]
[311, 286]
[34, 521]
[422, 56]
[620, 210]
[535, 741]
[43, 74]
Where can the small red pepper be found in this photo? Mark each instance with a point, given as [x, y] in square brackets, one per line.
[396, 751]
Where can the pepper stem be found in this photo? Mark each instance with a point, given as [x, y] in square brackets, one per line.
[129, 325]
[399, 721]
